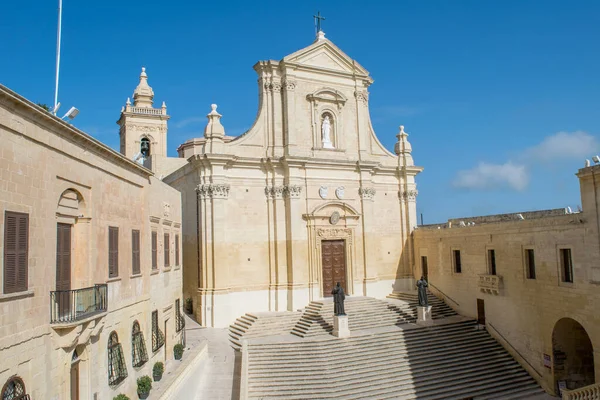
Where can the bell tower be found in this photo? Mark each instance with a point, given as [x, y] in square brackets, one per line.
[143, 128]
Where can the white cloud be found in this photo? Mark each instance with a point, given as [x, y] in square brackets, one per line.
[493, 176]
[515, 175]
[563, 145]
[189, 121]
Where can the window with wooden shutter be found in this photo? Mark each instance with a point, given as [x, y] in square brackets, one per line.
[16, 251]
[154, 250]
[176, 250]
[113, 252]
[135, 252]
[167, 250]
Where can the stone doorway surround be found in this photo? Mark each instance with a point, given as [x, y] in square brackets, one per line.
[335, 220]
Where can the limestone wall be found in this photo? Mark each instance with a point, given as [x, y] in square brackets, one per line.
[525, 311]
[41, 158]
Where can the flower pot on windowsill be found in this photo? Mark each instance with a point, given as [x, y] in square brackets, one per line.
[143, 396]
[157, 377]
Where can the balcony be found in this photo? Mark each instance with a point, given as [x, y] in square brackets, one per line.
[490, 284]
[72, 306]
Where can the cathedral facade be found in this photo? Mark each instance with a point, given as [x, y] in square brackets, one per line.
[306, 198]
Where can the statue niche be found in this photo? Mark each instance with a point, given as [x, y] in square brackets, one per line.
[327, 130]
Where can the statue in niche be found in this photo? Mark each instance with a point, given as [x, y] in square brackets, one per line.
[422, 289]
[326, 131]
[338, 300]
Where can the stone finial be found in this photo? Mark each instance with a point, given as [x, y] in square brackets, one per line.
[164, 105]
[214, 129]
[143, 93]
[320, 35]
[128, 102]
[403, 148]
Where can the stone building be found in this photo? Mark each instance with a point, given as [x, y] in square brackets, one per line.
[307, 197]
[532, 278]
[91, 278]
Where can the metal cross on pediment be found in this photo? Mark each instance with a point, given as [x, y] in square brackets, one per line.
[318, 18]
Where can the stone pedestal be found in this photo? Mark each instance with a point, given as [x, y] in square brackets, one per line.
[340, 326]
[424, 315]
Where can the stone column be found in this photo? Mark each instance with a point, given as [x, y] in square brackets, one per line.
[297, 252]
[214, 307]
[367, 195]
[278, 242]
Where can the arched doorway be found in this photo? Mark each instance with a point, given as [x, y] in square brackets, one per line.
[573, 354]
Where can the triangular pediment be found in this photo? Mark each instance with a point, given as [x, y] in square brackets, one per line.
[323, 54]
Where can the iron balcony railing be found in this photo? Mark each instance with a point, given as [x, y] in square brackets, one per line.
[74, 305]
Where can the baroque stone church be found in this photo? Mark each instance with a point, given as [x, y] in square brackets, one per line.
[307, 197]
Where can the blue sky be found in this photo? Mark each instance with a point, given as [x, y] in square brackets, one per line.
[501, 98]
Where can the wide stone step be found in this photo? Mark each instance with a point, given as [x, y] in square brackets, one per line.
[400, 358]
[427, 333]
[397, 372]
[342, 383]
[360, 388]
[397, 342]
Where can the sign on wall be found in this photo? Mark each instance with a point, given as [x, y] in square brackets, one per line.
[547, 361]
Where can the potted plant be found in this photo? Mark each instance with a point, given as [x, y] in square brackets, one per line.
[158, 370]
[121, 397]
[178, 351]
[189, 305]
[144, 384]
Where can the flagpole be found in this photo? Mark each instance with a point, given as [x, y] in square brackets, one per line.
[57, 55]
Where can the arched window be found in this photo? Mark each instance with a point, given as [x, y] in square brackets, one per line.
[117, 370]
[14, 389]
[138, 346]
[145, 147]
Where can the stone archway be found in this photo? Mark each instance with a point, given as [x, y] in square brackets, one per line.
[573, 354]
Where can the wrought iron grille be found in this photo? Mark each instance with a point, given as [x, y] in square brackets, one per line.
[74, 305]
[158, 338]
[117, 370]
[14, 389]
[179, 320]
[138, 346]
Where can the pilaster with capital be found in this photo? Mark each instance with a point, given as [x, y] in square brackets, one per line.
[297, 237]
[212, 223]
[367, 195]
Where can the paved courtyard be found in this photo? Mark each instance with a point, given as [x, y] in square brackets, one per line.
[214, 377]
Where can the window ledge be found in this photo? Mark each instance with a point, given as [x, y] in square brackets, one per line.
[166, 269]
[154, 271]
[570, 285]
[14, 296]
[135, 276]
[115, 279]
[179, 267]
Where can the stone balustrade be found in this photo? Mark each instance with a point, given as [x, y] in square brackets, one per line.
[490, 284]
[147, 111]
[591, 392]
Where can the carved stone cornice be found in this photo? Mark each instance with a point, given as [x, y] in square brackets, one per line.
[410, 195]
[274, 192]
[278, 192]
[335, 233]
[213, 190]
[289, 84]
[362, 96]
[293, 191]
[367, 193]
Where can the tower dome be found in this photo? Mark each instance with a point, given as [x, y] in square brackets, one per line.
[143, 93]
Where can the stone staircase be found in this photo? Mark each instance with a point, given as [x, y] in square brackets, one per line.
[450, 360]
[252, 325]
[365, 313]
